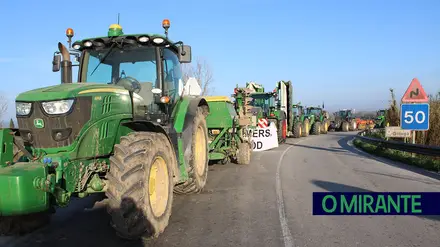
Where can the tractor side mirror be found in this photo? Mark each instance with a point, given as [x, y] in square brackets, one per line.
[56, 63]
[184, 54]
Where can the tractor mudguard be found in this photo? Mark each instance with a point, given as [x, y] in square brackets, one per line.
[184, 122]
[18, 192]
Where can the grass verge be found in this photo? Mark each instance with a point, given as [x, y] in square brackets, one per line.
[421, 161]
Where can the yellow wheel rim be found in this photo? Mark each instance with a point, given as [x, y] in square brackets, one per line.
[200, 151]
[158, 186]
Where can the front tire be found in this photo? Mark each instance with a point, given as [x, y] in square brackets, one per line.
[345, 126]
[297, 130]
[353, 125]
[140, 188]
[198, 164]
[316, 129]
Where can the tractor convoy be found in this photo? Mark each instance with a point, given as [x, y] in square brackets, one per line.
[128, 129]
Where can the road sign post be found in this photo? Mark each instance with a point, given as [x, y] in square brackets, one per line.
[414, 113]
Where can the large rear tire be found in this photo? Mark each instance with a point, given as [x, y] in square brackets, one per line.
[198, 165]
[306, 128]
[140, 188]
[316, 128]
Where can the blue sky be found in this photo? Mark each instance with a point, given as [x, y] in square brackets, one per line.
[345, 53]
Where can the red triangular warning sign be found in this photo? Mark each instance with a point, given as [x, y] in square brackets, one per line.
[415, 93]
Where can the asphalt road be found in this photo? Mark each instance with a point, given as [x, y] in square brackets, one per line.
[269, 203]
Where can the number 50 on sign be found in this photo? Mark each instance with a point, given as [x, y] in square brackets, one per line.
[414, 116]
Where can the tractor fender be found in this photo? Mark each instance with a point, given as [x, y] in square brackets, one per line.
[187, 128]
[183, 121]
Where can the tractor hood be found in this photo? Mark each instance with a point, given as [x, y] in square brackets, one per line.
[63, 91]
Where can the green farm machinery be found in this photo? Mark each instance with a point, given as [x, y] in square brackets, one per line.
[381, 119]
[227, 132]
[314, 124]
[300, 121]
[265, 105]
[125, 129]
[343, 121]
[318, 120]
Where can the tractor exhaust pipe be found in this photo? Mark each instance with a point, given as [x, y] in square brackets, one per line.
[66, 64]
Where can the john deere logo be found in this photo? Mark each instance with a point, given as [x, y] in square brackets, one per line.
[38, 123]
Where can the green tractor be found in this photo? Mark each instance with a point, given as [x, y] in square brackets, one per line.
[381, 119]
[320, 116]
[343, 121]
[125, 129]
[300, 121]
[317, 120]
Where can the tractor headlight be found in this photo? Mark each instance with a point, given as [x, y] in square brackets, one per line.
[57, 107]
[23, 108]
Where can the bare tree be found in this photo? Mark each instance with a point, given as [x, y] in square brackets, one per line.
[3, 108]
[202, 72]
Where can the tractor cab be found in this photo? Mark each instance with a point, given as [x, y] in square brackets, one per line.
[317, 111]
[344, 114]
[147, 65]
[265, 102]
[380, 114]
[297, 110]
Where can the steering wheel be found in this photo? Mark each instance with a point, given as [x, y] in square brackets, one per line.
[129, 83]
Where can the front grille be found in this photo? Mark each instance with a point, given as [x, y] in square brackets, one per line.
[68, 125]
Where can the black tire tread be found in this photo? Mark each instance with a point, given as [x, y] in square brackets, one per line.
[131, 214]
[316, 128]
[297, 130]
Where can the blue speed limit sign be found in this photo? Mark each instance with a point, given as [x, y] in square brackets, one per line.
[414, 116]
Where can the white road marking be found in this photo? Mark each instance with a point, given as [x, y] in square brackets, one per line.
[287, 236]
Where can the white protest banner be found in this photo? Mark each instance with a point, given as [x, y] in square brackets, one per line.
[263, 138]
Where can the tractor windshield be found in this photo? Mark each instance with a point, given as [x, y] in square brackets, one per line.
[295, 111]
[345, 114]
[263, 101]
[314, 111]
[139, 63]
